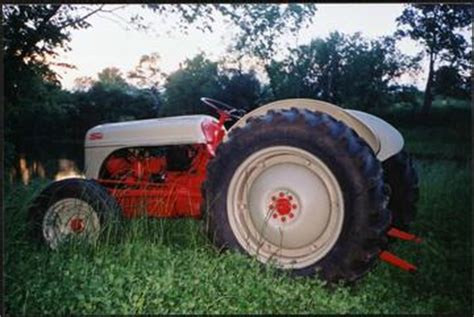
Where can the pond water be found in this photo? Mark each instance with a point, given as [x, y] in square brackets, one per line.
[45, 158]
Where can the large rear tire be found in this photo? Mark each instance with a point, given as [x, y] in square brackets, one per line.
[301, 190]
[71, 210]
[401, 176]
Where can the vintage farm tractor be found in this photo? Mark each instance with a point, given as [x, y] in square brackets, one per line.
[301, 183]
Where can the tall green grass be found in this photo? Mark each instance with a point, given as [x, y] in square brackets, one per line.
[168, 266]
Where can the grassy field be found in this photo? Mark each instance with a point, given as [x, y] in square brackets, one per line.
[167, 266]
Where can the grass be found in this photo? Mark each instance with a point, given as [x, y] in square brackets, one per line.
[167, 266]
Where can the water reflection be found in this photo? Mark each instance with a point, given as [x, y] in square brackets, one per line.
[67, 169]
[47, 159]
[26, 171]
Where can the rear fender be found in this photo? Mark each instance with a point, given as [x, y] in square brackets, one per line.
[391, 141]
[384, 139]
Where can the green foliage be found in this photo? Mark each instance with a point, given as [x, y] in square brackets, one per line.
[44, 113]
[111, 78]
[239, 89]
[347, 70]
[370, 67]
[35, 34]
[449, 82]
[406, 96]
[110, 100]
[447, 128]
[258, 25]
[437, 27]
[200, 77]
[167, 266]
[32, 36]
[262, 24]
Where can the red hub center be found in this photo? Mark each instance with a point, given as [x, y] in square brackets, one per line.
[283, 206]
[77, 225]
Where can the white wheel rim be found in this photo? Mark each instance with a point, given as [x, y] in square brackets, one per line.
[307, 224]
[70, 218]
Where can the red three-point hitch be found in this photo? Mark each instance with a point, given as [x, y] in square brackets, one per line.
[392, 258]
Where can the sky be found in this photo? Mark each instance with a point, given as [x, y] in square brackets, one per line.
[108, 43]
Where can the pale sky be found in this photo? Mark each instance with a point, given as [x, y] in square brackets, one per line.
[108, 44]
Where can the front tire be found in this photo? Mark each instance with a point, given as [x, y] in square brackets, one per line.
[71, 210]
[302, 190]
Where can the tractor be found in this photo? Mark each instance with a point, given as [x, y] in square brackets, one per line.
[312, 188]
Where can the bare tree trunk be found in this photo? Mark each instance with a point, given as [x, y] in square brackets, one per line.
[428, 98]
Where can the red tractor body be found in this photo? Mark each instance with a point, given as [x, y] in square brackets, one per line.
[132, 179]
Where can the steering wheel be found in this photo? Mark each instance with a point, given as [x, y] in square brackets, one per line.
[220, 107]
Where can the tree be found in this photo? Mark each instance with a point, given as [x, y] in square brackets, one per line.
[200, 77]
[406, 96]
[147, 73]
[288, 79]
[346, 70]
[370, 68]
[436, 27]
[110, 99]
[449, 82]
[111, 78]
[258, 25]
[183, 89]
[239, 89]
[34, 35]
[309, 71]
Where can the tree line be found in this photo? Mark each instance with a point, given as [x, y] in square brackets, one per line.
[346, 69]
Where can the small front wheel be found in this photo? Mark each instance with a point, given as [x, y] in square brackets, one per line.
[71, 210]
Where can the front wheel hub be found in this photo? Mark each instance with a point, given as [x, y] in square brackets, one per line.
[77, 225]
[70, 217]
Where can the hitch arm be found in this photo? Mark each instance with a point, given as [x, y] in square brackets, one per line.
[394, 260]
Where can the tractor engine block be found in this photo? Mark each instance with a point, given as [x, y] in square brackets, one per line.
[137, 168]
[158, 181]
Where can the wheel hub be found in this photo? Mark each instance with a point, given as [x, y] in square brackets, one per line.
[283, 205]
[70, 216]
[77, 225]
